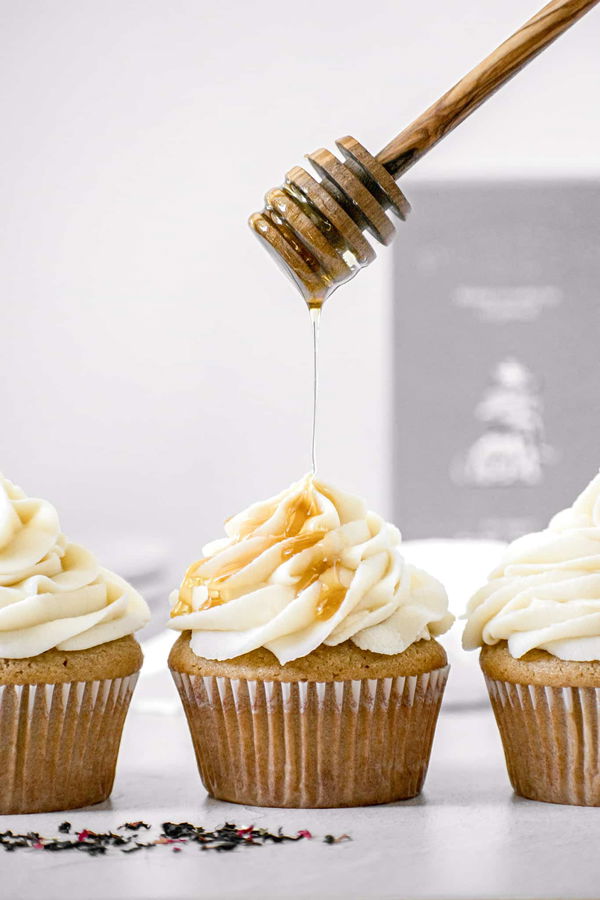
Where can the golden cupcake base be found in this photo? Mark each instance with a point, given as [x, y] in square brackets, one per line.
[548, 715]
[60, 743]
[60, 738]
[314, 744]
[551, 740]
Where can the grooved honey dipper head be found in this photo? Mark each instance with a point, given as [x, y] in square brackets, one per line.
[314, 229]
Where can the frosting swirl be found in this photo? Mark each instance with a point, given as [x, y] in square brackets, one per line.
[545, 593]
[53, 594]
[310, 566]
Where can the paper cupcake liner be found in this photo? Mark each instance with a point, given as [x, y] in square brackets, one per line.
[312, 744]
[551, 740]
[59, 743]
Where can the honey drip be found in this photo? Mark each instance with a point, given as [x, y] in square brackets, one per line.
[215, 585]
[299, 510]
[315, 317]
[330, 600]
[332, 592]
[300, 542]
[289, 535]
[317, 267]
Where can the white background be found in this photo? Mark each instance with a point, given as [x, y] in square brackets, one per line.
[154, 364]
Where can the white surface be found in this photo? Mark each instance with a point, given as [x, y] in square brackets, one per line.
[468, 836]
[149, 385]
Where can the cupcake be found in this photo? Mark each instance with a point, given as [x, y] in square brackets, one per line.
[68, 662]
[538, 622]
[307, 664]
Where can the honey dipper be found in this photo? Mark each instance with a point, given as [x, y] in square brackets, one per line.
[314, 228]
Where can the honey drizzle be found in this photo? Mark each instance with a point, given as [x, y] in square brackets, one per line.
[300, 542]
[332, 593]
[303, 507]
[330, 600]
[293, 540]
[315, 318]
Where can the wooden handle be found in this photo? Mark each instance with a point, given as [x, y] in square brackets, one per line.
[481, 82]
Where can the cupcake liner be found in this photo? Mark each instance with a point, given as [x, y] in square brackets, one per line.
[59, 743]
[312, 744]
[551, 740]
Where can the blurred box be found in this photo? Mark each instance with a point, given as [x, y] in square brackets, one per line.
[496, 356]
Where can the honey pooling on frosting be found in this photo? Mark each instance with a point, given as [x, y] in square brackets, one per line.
[311, 566]
[292, 539]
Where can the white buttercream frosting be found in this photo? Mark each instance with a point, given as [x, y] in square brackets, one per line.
[310, 566]
[545, 593]
[53, 594]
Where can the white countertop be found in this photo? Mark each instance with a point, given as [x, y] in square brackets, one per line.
[467, 836]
